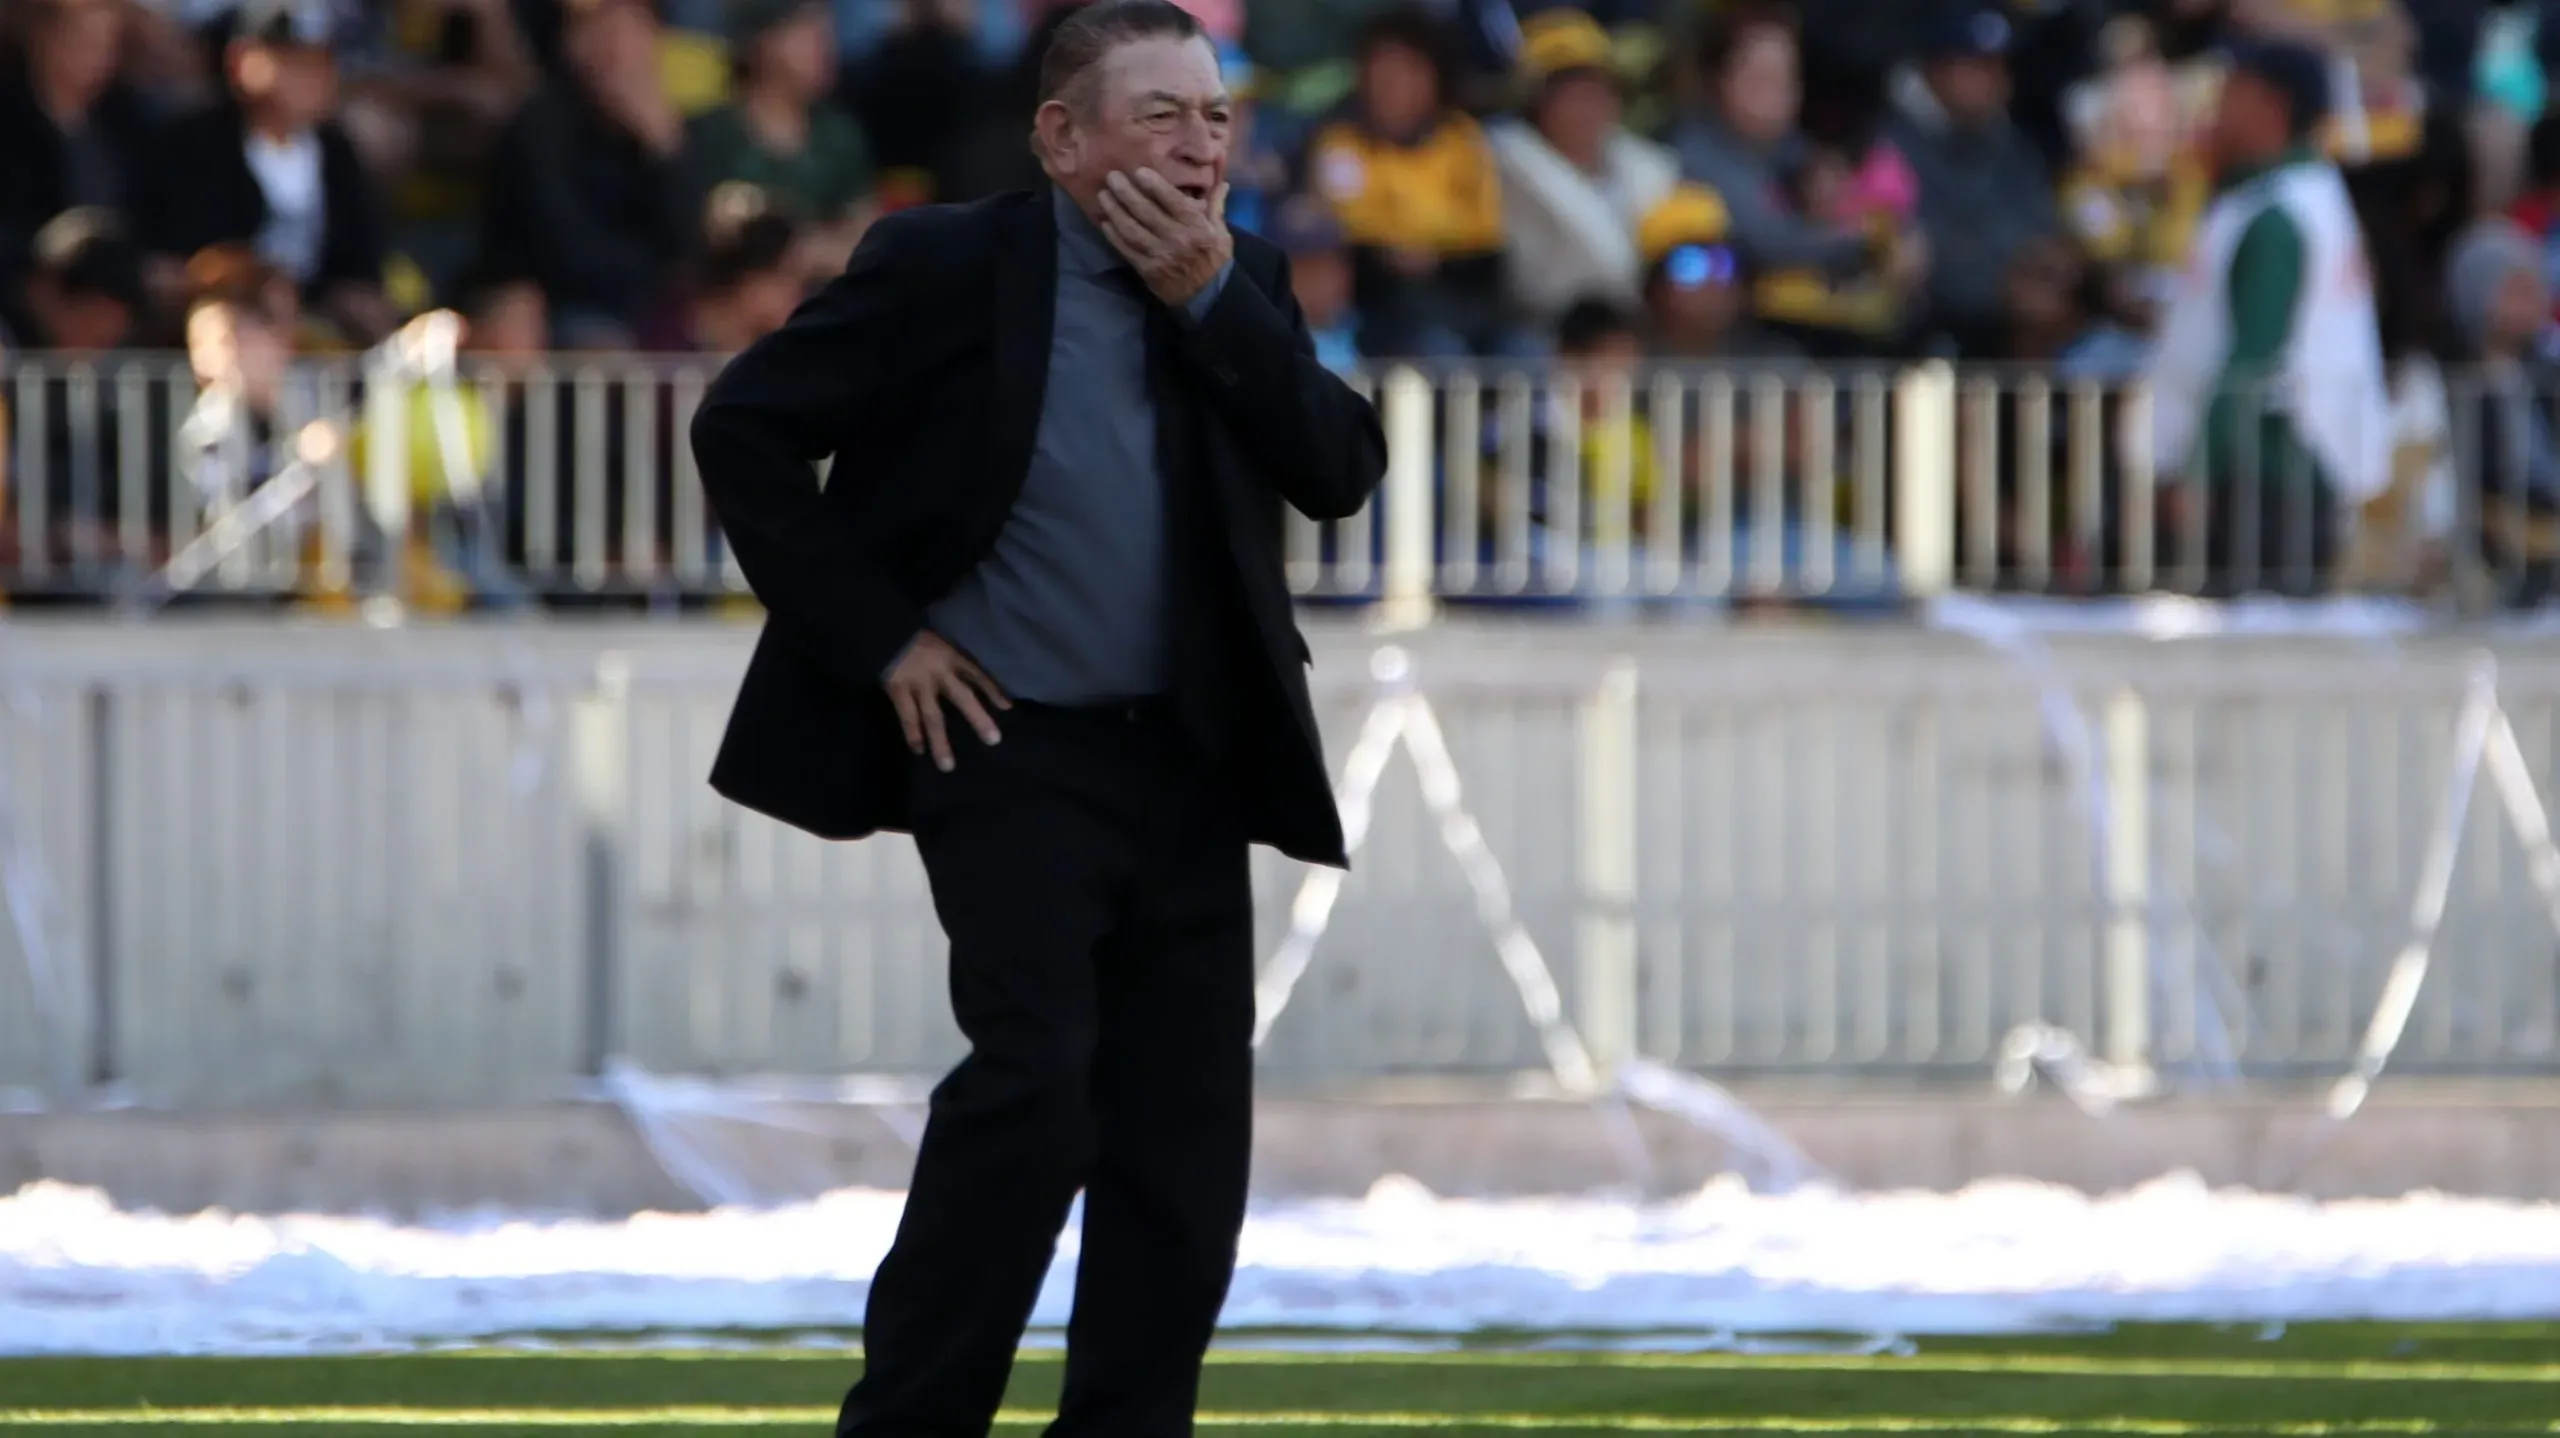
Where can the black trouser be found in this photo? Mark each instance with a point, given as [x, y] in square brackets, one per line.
[1091, 875]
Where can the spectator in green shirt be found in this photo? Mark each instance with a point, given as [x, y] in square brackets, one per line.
[780, 132]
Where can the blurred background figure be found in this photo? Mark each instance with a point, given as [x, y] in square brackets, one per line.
[84, 290]
[589, 197]
[746, 280]
[1320, 275]
[1832, 269]
[2500, 306]
[1258, 168]
[1983, 190]
[915, 92]
[96, 451]
[71, 136]
[1575, 183]
[782, 134]
[2140, 181]
[267, 165]
[1412, 180]
[2269, 397]
[1696, 296]
[429, 85]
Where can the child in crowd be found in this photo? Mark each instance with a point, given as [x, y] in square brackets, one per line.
[1321, 279]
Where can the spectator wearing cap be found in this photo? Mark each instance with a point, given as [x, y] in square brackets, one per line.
[70, 136]
[1575, 183]
[85, 300]
[2371, 51]
[1743, 144]
[1696, 296]
[1983, 190]
[1321, 279]
[2270, 412]
[84, 288]
[781, 133]
[746, 280]
[589, 196]
[268, 166]
[1413, 183]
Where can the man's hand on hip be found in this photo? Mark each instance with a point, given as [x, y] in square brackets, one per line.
[1177, 244]
[931, 674]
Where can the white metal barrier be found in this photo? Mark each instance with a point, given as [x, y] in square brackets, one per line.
[1508, 485]
[349, 865]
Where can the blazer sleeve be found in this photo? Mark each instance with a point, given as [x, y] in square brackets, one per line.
[1317, 440]
[777, 409]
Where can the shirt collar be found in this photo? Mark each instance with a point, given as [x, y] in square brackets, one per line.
[1082, 247]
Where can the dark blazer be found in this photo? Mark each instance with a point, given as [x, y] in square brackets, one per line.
[33, 188]
[922, 368]
[201, 192]
[577, 205]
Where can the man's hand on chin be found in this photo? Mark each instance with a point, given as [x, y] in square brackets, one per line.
[1179, 245]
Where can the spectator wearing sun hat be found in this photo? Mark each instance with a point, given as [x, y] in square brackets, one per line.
[1696, 291]
[1575, 182]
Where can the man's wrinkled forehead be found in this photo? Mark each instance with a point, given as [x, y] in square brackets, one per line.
[1159, 69]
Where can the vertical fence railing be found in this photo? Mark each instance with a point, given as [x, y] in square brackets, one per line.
[1510, 484]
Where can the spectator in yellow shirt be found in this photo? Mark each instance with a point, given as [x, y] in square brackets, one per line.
[1411, 179]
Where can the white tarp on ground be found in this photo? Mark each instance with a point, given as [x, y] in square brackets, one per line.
[79, 1276]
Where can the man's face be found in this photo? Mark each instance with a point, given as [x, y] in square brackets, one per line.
[765, 301]
[2251, 121]
[81, 324]
[228, 345]
[1154, 104]
[2520, 306]
[77, 43]
[1605, 367]
[294, 86]
[1579, 112]
[617, 38]
[511, 324]
[1972, 88]
[800, 53]
[1696, 316]
[1322, 283]
[1399, 88]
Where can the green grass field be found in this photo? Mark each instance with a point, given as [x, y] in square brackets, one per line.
[2336, 1379]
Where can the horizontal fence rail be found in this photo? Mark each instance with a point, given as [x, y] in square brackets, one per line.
[453, 864]
[1510, 485]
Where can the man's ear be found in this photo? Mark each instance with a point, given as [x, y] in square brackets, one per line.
[1053, 133]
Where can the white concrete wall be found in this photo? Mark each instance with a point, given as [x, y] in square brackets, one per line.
[331, 865]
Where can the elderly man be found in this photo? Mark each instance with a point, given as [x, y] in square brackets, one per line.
[1036, 617]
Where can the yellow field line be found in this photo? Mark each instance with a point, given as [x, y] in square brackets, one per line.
[2356, 1370]
[715, 1417]
[2021, 1365]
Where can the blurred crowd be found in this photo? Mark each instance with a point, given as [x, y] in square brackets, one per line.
[1609, 180]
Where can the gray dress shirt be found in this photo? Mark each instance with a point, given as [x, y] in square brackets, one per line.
[1070, 606]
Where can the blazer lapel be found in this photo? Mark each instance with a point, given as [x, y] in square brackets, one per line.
[1026, 307]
